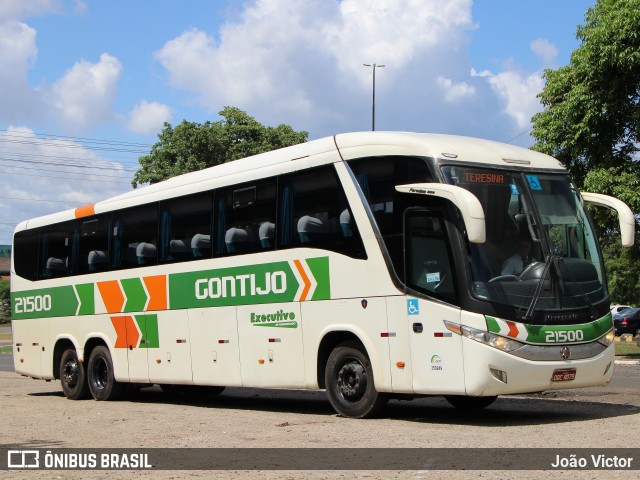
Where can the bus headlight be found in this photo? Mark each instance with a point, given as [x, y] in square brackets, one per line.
[496, 341]
[608, 338]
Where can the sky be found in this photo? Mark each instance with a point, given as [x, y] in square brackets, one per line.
[86, 85]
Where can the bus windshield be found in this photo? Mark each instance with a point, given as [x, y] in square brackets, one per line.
[541, 252]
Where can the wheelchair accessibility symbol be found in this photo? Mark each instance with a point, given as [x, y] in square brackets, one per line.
[534, 182]
[413, 308]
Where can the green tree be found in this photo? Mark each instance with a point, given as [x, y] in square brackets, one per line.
[591, 122]
[192, 146]
[5, 299]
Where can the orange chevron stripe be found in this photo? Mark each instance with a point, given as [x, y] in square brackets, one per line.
[305, 279]
[157, 288]
[513, 329]
[112, 295]
[120, 326]
[85, 211]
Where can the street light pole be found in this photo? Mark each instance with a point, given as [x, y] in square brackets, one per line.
[373, 102]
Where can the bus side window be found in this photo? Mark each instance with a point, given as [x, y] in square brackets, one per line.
[314, 213]
[54, 251]
[25, 254]
[185, 228]
[91, 245]
[135, 237]
[245, 218]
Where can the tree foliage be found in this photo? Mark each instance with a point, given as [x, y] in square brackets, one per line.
[192, 146]
[5, 297]
[591, 123]
[591, 116]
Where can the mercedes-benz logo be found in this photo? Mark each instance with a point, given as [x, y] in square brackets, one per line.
[565, 352]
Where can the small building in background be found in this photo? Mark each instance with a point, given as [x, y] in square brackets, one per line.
[5, 261]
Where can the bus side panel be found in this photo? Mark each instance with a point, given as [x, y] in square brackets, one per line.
[271, 350]
[366, 318]
[28, 338]
[436, 353]
[400, 345]
[215, 353]
[170, 354]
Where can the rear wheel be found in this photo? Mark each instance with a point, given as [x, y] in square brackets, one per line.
[470, 403]
[349, 382]
[72, 376]
[102, 384]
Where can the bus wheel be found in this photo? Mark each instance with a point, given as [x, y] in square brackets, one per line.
[349, 382]
[470, 403]
[72, 376]
[102, 383]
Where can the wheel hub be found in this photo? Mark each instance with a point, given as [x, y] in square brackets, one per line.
[352, 381]
[70, 373]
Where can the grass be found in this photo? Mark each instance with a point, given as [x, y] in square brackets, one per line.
[5, 350]
[627, 349]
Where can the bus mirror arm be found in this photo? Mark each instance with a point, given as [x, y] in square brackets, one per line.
[625, 216]
[467, 203]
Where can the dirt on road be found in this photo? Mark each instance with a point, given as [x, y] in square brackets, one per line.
[37, 415]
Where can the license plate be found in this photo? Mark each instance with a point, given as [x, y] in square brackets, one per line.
[563, 375]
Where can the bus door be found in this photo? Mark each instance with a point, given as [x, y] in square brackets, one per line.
[436, 353]
[271, 351]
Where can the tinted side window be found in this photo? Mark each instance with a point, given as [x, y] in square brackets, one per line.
[54, 251]
[185, 228]
[245, 218]
[25, 254]
[314, 213]
[135, 237]
[378, 177]
[90, 245]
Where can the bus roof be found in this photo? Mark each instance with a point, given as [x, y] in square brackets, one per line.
[351, 145]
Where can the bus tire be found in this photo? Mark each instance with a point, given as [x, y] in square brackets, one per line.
[349, 382]
[464, 402]
[102, 384]
[73, 376]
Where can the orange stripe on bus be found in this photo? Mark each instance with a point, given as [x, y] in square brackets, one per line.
[157, 288]
[112, 295]
[120, 326]
[86, 211]
[305, 279]
[127, 334]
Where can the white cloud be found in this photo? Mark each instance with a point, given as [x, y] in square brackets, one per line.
[302, 62]
[57, 170]
[545, 50]
[18, 9]
[17, 53]
[454, 92]
[519, 93]
[83, 96]
[148, 117]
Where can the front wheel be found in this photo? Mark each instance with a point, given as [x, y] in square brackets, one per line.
[102, 384]
[73, 376]
[349, 381]
[470, 403]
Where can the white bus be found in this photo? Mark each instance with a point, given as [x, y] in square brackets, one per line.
[371, 265]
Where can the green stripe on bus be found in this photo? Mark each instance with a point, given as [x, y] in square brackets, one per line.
[86, 295]
[135, 294]
[148, 325]
[552, 334]
[320, 269]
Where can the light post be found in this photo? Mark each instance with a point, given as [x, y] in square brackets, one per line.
[373, 103]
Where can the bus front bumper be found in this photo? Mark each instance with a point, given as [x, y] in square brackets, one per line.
[489, 371]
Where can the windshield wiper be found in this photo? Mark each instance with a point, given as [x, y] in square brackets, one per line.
[536, 294]
[555, 260]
